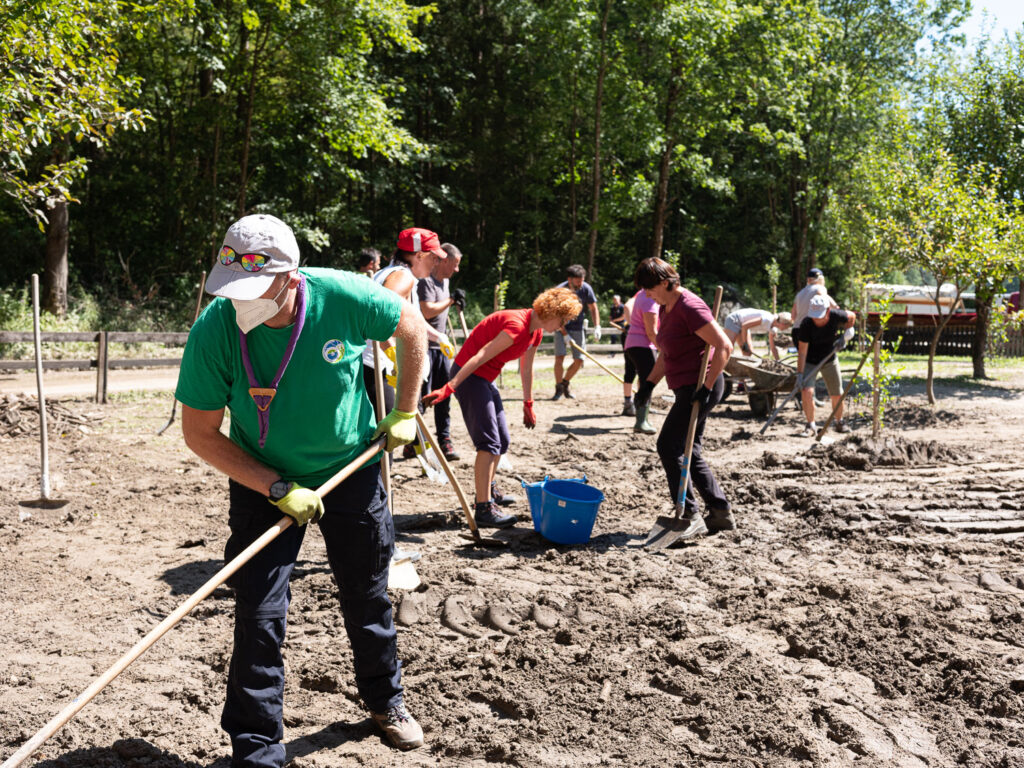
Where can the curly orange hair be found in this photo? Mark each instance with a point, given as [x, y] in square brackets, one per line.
[558, 302]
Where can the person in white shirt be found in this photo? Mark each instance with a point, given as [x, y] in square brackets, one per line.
[744, 322]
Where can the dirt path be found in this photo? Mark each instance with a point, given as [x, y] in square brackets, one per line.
[867, 612]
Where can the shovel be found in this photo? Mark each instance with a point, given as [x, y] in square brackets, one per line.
[474, 534]
[428, 460]
[402, 574]
[44, 501]
[199, 305]
[161, 629]
[667, 529]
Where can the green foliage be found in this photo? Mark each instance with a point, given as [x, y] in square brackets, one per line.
[59, 89]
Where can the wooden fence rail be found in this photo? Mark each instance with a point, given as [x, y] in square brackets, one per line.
[102, 363]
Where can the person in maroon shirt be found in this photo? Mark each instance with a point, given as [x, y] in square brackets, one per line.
[501, 337]
[685, 326]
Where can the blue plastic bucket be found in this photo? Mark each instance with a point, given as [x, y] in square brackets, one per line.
[535, 497]
[568, 511]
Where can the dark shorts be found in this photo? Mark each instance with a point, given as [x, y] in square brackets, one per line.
[484, 413]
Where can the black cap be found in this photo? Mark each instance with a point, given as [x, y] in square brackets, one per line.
[815, 272]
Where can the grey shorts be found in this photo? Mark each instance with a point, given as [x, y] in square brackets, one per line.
[830, 373]
[576, 336]
[733, 325]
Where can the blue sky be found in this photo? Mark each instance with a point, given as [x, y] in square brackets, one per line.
[1003, 16]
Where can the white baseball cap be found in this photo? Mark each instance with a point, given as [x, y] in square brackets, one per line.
[818, 307]
[256, 249]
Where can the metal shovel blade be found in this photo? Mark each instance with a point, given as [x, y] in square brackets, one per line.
[666, 531]
[402, 575]
[483, 541]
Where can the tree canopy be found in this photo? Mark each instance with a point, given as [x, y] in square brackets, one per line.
[724, 135]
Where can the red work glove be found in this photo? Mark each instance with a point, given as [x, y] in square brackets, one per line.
[435, 397]
[529, 417]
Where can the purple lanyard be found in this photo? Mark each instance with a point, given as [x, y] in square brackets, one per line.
[263, 396]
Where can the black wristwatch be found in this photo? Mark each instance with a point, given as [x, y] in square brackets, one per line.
[279, 489]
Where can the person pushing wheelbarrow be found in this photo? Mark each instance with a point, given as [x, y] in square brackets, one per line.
[280, 348]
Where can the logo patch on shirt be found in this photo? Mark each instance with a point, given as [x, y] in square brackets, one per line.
[333, 351]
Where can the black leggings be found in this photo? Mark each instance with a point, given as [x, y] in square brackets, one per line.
[641, 360]
[672, 450]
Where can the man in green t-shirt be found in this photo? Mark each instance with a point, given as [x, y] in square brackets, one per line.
[281, 349]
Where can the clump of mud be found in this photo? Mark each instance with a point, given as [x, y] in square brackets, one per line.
[864, 454]
[918, 417]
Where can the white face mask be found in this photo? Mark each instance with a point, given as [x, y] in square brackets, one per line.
[250, 313]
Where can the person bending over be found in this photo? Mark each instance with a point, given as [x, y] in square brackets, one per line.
[499, 338]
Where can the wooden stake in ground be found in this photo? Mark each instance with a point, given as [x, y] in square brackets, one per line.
[161, 629]
[876, 395]
[831, 416]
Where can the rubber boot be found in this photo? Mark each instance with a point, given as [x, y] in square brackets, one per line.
[720, 520]
[642, 425]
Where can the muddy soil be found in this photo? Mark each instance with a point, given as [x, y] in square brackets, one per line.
[868, 610]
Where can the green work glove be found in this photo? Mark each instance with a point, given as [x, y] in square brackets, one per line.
[302, 504]
[399, 426]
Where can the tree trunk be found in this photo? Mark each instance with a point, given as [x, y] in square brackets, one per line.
[943, 322]
[798, 226]
[598, 97]
[980, 343]
[55, 275]
[665, 165]
[248, 107]
[572, 171]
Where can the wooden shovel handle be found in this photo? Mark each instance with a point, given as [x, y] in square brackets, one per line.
[451, 475]
[161, 629]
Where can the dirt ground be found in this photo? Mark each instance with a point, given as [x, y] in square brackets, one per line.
[866, 613]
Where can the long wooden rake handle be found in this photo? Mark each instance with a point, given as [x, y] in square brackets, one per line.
[595, 360]
[161, 629]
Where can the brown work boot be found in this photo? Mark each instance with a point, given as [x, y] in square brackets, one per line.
[720, 520]
[400, 727]
[487, 515]
[448, 450]
[501, 499]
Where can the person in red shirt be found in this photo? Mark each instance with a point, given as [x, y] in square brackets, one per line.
[685, 326]
[500, 337]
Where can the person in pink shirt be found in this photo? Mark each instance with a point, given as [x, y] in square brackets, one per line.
[499, 338]
[641, 345]
[686, 326]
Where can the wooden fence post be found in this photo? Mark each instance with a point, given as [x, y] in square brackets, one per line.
[101, 367]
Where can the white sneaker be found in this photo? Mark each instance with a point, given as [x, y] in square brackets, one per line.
[840, 425]
[810, 430]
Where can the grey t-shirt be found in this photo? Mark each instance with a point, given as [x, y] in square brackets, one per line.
[431, 289]
[586, 296]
